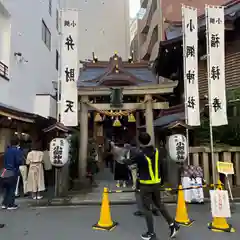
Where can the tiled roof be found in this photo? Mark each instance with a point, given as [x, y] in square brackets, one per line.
[87, 76]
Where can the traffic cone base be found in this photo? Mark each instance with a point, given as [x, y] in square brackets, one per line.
[105, 228]
[181, 212]
[220, 225]
[186, 224]
[105, 222]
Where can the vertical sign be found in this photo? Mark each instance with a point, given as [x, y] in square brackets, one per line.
[190, 60]
[69, 68]
[216, 65]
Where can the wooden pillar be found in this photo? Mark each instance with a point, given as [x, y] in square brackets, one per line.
[206, 172]
[137, 126]
[227, 158]
[82, 164]
[149, 118]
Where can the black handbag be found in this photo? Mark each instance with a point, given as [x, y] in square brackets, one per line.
[5, 173]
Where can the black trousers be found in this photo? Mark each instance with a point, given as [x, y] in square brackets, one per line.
[150, 195]
[9, 186]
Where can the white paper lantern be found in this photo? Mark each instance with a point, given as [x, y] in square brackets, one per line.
[59, 152]
[177, 147]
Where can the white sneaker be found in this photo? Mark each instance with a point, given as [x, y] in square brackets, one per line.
[39, 197]
[4, 207]
[34, 198]
[14, 207]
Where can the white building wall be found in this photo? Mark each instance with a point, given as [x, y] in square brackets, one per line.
[35, 74]
[104, 27]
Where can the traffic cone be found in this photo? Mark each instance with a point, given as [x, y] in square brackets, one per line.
[105, 222]
[220, 224]
[181, 212]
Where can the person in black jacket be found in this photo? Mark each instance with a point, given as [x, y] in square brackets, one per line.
[151, 177]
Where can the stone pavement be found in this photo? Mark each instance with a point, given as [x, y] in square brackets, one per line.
[72, 223]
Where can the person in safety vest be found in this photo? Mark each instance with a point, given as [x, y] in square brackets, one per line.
[150, 175]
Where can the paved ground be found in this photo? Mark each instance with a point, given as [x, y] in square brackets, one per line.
[70, 223]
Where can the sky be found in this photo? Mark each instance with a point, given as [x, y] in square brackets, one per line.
[134, 7]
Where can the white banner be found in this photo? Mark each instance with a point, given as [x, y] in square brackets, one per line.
[69, 68]
[190, 60]
[216, 65]
[220, 203]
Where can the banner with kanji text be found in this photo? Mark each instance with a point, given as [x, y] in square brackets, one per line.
[190, 61]
[216, 65]
[69, 67]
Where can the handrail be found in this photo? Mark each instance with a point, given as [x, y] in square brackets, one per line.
[4, 71]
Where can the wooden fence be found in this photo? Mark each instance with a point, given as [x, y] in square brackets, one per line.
[201, 156]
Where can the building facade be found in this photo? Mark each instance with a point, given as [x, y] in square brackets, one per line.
[155, 27]
[104, 27]
[28, 51]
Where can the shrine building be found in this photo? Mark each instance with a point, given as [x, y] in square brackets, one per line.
[115, 98]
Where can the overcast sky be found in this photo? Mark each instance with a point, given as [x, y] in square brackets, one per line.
[134, 7]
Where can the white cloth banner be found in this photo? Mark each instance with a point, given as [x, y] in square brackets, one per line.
[220, 203]
[190, 60]
[193, 195]
[216, 65]
[69, 68]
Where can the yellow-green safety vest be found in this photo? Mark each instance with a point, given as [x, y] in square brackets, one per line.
[155, 179]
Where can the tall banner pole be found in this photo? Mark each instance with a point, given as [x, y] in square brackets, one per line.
[215, 38]
[185, 92]
[190, 69]
[209, 98]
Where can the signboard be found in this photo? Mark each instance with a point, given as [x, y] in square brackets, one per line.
[59, 152]
[190, 61]
[215, 28]
[220, 205]
[177, 147]
[69, 68]
[225, 168]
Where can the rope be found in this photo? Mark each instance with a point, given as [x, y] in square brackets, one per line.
[168, 189]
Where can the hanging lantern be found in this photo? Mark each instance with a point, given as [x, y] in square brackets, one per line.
[98, 118]
[117, 123]
[131, 118]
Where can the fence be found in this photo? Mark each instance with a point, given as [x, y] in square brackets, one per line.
[201, 156]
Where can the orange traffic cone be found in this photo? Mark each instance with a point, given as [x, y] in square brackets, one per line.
[220, 224]
[181, 212]
[105, 222]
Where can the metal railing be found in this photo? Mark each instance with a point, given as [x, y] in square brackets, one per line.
[4, 71]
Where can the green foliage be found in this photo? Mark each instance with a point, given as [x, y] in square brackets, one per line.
[228, 134]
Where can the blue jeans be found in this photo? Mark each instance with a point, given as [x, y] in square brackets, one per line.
[9, 186]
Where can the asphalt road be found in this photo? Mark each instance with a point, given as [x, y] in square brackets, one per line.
[70, 223]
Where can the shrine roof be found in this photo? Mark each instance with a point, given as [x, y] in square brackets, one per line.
[115, 71]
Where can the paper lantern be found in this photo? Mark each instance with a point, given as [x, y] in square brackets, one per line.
[177, 147]
[117, 123]
[59, 152]
[131, 118]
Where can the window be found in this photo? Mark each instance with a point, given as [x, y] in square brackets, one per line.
[57, 20]
[57, 59]
[50, 7]
[46, 35]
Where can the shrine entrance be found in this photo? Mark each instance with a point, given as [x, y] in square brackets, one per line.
[117, 97]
